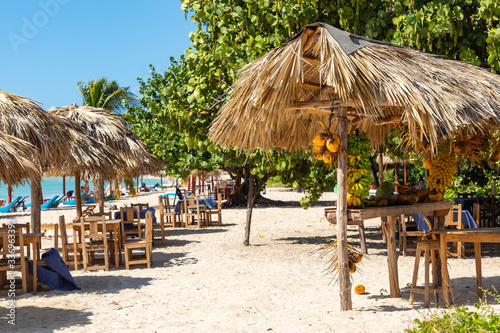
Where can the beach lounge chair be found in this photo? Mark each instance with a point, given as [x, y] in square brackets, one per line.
[20, 203]
[10, 207]
[72, 202]
[58, 201]
[50, 203]
[90, 201]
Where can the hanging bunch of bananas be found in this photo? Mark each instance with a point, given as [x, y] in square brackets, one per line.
[326, 145]
[359, 169]
[442, 168]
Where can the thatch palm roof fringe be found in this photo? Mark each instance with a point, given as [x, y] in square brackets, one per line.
[322, 66]
[16, 160]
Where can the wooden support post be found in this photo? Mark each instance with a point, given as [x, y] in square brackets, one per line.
[36, 189]
[405, 172]
[251, 197]
[343, 260]
[9, 194]
[78, 198]
[64, 185]
[381, 180]
[392, 255]
[101, 194]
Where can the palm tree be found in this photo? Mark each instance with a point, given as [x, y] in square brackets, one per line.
[106, 95]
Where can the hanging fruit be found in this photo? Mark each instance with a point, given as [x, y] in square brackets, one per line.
[326, 145]
[441, 171]
[359, 169]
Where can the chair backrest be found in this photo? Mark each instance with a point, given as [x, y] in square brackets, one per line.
[164, 203]
[148, 234]
[106, 214]
[219, 201]
[449, 219]
[466, 195]
[192, 202]
[7, 250]
[141, 206]
[62, 228]
[130, 222]
[487, 211]
[96, 228]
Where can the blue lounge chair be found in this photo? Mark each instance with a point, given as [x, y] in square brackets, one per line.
[58, 201]
[90, 201]
[10, 207]
[50, 203]
[72, 202]
[20, 203]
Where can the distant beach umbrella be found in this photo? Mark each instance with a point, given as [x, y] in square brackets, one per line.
[58, 143]
[112, 130]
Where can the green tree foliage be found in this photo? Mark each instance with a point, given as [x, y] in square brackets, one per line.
[177, 107]
[106, 95]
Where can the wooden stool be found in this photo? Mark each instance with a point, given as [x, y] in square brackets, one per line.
[430, 248]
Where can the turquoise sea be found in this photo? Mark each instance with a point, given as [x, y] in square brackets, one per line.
[54, 186]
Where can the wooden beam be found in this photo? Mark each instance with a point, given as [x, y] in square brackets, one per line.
[325, 104]
[396, 118]
[312, 61]
[312, 38]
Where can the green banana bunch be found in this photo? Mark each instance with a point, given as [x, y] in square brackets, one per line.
[359, 168]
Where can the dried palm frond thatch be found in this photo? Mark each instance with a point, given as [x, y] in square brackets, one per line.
[280, 97]
[111, 129]
[16, 162]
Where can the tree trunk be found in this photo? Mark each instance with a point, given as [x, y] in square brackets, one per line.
[374, 171]
[343, 259]
[78, 198]
[101, 194]
[36, 189]
[251, 197]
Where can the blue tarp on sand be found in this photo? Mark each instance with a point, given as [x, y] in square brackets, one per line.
[56, 274]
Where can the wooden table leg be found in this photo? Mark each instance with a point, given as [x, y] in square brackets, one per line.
[362, 239]
[35, 258]
[444, 269]
[392, 255]
[479, 276]
[118, 253]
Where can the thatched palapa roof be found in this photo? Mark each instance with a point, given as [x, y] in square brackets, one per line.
[129, 152]
[279, 97]
[16, 162]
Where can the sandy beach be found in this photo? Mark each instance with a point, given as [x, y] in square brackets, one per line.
[205, 280]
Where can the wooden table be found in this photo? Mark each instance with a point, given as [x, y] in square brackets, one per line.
[476, 236]
[111, 225]
[437, 209]
[34, 238]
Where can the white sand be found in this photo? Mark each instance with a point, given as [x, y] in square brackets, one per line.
[206, 280]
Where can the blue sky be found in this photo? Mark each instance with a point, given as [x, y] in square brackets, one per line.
[47, 46]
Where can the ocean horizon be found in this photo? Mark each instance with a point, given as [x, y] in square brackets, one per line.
[52, 186]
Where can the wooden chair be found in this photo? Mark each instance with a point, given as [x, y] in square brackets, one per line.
[66, 246]
[95, 240]
[449, 220]
[130, 225]
[487, 212]
[194, 213]
[145, 243]
[88, 210]
[141, 206]
[405, 221]
[108, 215]
[168, 217]
[221, 188]
[214, 211]
[12, 258]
